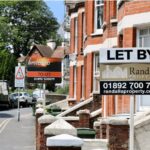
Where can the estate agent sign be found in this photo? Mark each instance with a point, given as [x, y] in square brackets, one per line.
[125, 71]
[44, 69]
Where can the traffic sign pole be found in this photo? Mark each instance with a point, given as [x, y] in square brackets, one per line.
[18, 106]
[44, 97]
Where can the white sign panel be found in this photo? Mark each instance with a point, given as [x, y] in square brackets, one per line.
[125, 55]
[19, 76]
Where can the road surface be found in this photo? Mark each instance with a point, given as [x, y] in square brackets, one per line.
[14, 134]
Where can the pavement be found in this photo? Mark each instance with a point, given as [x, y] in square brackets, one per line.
[17, 135]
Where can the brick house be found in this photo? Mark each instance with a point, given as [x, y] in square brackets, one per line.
[96, 24]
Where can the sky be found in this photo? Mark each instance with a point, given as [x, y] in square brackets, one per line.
[57, 7]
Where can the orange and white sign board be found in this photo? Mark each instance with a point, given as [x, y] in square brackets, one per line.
[19, 76]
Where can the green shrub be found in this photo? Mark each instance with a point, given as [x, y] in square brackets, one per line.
[54, 110]
[64, 90]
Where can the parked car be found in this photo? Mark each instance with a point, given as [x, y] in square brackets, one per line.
[4, 90]
[25, 99]
[34, 98]
[13, 100]
[38, 92]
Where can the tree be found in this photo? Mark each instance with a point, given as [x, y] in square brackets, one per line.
[23, 23]
[7, 66]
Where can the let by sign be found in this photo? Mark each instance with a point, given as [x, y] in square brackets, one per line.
[125, 55]
[125, 71]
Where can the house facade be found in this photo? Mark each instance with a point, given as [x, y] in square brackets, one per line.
[97, 24]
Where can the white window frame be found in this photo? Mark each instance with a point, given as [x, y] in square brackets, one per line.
[101, 5]
[82, 74]
[96, 73]
[84, 26]
[142, 36]
[140, 98]
[75, 81]
[76, 34]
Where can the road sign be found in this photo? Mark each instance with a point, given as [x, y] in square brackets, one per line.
[19, 76]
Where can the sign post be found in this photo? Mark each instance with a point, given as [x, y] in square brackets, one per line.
[125, 71]
[131, 143]
[19, 83]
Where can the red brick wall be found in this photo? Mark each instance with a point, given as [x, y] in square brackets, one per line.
[72, 33]
[89, 11]
[84, 120]
[103, 130]
[42, 142]
[129, 37]
[79, 56]
[80, 32]
[118, 137]
[111, 104]
[113, 9]
[71, 83]
[37, 129]
[79, 83]
[74, 123]
[89, 75]
[133, 7]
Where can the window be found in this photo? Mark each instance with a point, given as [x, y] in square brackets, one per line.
[82, 68]
[75, 81]
[96, 72]
[84, 27]
[76, 34]
[144, 37]
[98, 14]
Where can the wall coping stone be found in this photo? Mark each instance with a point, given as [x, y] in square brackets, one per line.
[143, 121]
[60, 126]
[39, 111]
[46, 119]
[141, 115]
[64, 140]
[95, 144]
[84, 111]
[114, 121]
[39, 106]
[70, 118]
[96, 123]
[95, 113]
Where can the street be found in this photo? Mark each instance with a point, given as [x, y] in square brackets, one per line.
[16, 135]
